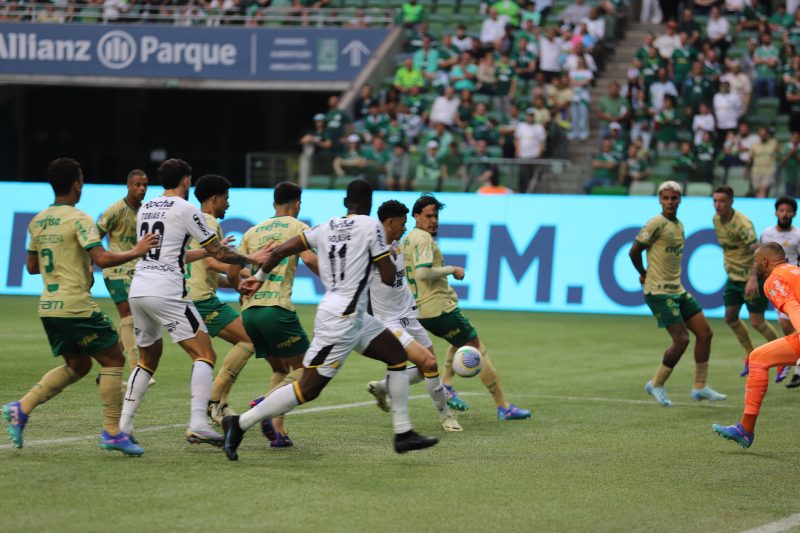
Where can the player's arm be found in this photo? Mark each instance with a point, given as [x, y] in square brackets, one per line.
[106, 222]
[226, 254]
[430, 273]
[293, 246]
[386, 268]
[310, 260]
[106, 259]
[751, 287]
[32, 262]
[635, 253]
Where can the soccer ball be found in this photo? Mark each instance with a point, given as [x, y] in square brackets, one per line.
[467, 362]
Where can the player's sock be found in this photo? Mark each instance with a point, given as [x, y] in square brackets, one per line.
[200, 388]
[413, 375]
[50, 385]
[397, 387]
[769, 333]
[447, 376]
[134, 394]
[740, 330]
[748, 422]
[110, 387]
[491, 380]
[233, 363]
[276, 381]
[661, 376]
[129, 341]
[281, 401]
[433, 384]
[700, 375]
[754, 392]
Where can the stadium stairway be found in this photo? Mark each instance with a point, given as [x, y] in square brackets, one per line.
[580, 154]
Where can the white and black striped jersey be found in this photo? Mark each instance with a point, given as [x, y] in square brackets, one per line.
[392, 302]
[346, 249]
[176, 222]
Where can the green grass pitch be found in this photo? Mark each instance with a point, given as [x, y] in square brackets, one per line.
[598, 455]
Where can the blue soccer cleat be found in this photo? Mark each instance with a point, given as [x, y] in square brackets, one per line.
[745, 371]
[12, 413]
[783, 373]
[735, 433]
[281, 441]
[120, 443]
[707, 393]
[512, 413]
[454, 401]
[658, 393]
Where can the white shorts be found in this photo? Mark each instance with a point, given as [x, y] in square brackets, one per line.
[335, 336]
[151, 313]
[407, 330]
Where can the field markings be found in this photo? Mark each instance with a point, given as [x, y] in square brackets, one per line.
[341, 406]
[776, 527]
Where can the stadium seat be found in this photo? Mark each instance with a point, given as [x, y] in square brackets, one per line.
[609, 190]
[698, 189]
[320, 182]
[642, 188]
[737, 181]
[452, 185]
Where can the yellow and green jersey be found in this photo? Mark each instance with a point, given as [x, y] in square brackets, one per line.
[277, 289]
[202, 281]
[736, 237]
[436, 296]
[119, 223]
[664, 240]
[61, 236]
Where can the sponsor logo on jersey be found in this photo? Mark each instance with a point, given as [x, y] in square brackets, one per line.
[48, 221]
[452, 333]
[171, 326]
[288, 342]
[200, 224]
[50, 305]
[159, 203]
[87, 340]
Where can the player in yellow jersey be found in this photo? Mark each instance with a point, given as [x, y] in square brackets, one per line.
[119, 223]
[738, 239]
[269, 315]
[674, 308]
[438, 304]
[203, 277]
[63, 243]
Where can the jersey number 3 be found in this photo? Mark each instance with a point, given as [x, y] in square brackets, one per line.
[158, 228]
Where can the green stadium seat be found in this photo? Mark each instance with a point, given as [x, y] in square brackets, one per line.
[662, 173]
[698, 189]
[642, 188]
[320, 182]
[783, 136]
[494, 151]
[452, 185]
[737, 181]
[352, 3]
[782, 121]
[609, 190]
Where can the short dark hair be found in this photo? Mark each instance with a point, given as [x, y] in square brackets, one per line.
[424, 201]
[359, 192]
[210, 185]
[724, 189]
[286, 192]
[172, 171]
[62, 173]
[135, 172]
[786, 200]
[391, 209]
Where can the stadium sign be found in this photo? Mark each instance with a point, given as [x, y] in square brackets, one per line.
[245, 54]
[522, 252]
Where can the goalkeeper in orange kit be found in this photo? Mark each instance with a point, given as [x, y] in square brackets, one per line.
[783, 290]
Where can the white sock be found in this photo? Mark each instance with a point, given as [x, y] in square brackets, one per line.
[200, 388]
[436, 392]
[397, 386]
[414, 375]
[134, 394]
[281, 401]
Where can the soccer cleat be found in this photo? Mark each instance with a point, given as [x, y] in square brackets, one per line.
[233, 436]
[449, 423]
[204, 436]
[121, 442]
[267, 429]
[218, 410]
[12, 413]
[735, 433]
[707, 393]
[745, 371]
[411, 440]
[658, 393]
[512, 413]
[281, 441]
[380, 396]
[151, 382]
[454, 401]
[783, 373]
[794, 383]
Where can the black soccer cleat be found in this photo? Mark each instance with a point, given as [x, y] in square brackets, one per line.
[794, 383]
[411, 440]
[233, 436]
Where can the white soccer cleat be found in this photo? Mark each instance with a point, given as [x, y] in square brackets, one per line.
[380, 395]
[151, 382]
[449, 423]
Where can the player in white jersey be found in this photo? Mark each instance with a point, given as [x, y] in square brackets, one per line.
[394, 305]
[788, 236]
[158, 296]
[347, 249]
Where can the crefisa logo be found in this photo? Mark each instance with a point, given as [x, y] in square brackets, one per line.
[116, 50]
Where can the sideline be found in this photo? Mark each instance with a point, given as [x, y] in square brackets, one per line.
[776, 527]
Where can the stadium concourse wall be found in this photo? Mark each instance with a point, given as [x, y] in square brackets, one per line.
[544, 253]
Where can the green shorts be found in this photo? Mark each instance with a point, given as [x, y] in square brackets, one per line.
[670, 309]
[452, 327]
[118, 289]
[733, 296]
[79, 336]
[216, 315]
[275, 331]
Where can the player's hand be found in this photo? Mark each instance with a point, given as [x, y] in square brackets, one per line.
[227, 241]
[260, 256]
[642, 279]
[247, 287]
[147, 243]
[751, 288]
[458, 273]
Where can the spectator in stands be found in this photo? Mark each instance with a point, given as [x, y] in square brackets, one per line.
[790, 164]
[449, 53]
[10, 11]
[703, 122]
[682, 60]
[661, 88]
[363, 103]
[508, 127]
[704, 158]
[559, 96]
[407, 76]
[613, 108]
[445, 107]
[318, 140]
[739, 83]
[667, 123]
[793, 101]
[684, 167]
[712, 69]
[428, 173]
[619, 146]
[735, 7]
[509, 9]
[697, 89]
[412, 13]
[635, 167]
[718, 31]
[574, 13]
[541, 113]
[491, 184]
[465, 109]
[549, 54]
[451, 164]
[745, 141]
[464, 75]
[337, 122]
[577, 52]
[529, 14]
[729, 156]
[763, 154]
[351, 161]
[397, 171]
[641, 119]
[426, 60]
[462, 41]
[595, 25]
[543, 7]
[112, 10]
[748, 58]
[667, 43]
[480, 165]
[780, 20]
[487, 81]
[580, 81]
[767, 59]
[531, 138]
[439, 134]
[506, 85]
[412, 122]
[690, 27]
[377, 156]
[374, 123]
[605, 168]
[524, 61]
[493, 27]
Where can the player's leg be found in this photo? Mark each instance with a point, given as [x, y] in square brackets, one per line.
[788, 329]
[756, 308]
[491, 380]
[203, 358]
[696, 323]
[443, 327]
[733, 298]
[232, 364]
[285, 371]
